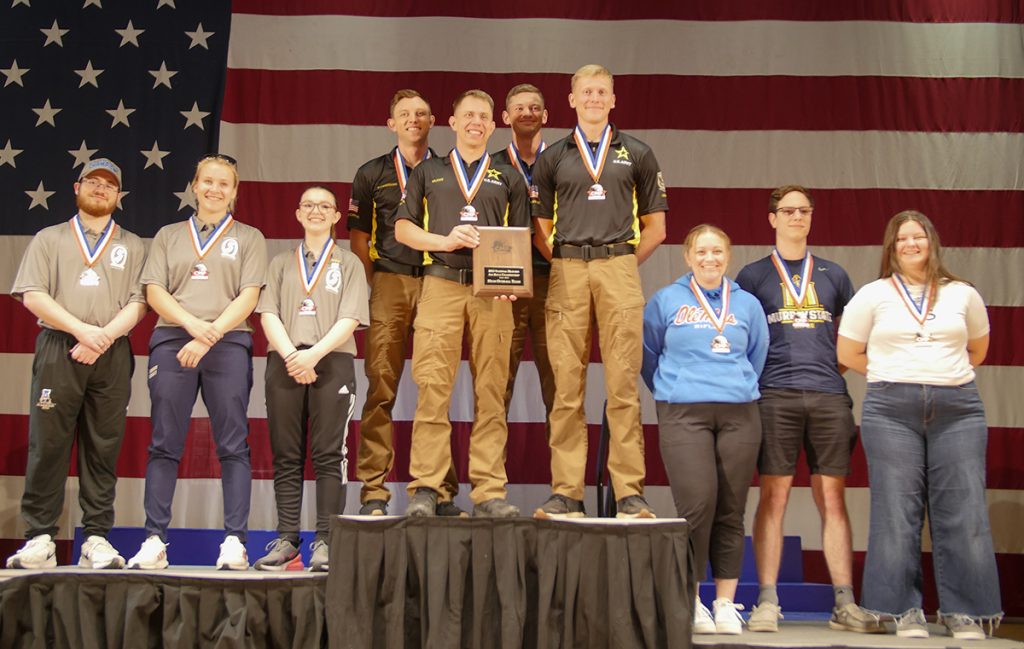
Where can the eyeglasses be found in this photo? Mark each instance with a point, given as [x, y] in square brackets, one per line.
[93, 183]
[790, 211]
[324, 208]
[219, 156]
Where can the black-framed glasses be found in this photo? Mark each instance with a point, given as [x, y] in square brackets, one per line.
[219, 156]
[791, 211]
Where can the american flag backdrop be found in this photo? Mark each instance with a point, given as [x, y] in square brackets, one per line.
[876, 106]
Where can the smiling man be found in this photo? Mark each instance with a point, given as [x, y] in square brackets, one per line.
[599, 211]
[395, 272]
[81, 279]
[445, 200]
[525, 113]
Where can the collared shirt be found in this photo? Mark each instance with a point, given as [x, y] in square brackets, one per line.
[434, 202]
[53, 264]
[376, 194]
[339, 293]
[631, 180]
[502, 158]
[236, 261]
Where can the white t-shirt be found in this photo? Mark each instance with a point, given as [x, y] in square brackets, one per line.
[902, 350]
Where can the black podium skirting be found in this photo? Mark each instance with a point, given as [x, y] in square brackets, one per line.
[125, 609]
[439, 583]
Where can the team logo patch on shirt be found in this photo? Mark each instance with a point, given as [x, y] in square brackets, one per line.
[118, 257]
[45, 401]
[229, 248]
[661, 182]
[333, 279]
[534, 192]
[353, 205]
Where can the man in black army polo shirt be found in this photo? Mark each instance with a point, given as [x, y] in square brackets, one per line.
[446, 199]
[525, 113]
[599, 209]
[395, 273]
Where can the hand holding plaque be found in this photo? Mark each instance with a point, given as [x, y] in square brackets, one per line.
[503, 262]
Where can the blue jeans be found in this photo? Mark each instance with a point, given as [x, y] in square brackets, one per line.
[925, 446]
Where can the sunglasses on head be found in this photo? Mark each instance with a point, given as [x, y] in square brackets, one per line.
[220, 156]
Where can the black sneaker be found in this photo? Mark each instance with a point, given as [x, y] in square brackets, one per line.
[633, 507]
[450, 509]
[559, 506]
[422, 503]
[374, 508]
[495, 508]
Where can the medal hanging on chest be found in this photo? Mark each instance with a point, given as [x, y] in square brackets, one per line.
[469, 187]
[918, 310]
[795, 293]
[307, 307]
[200, 271]
[594, 161]
[91, 254]
[720, 343]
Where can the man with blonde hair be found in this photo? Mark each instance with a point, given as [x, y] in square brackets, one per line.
[599, 211]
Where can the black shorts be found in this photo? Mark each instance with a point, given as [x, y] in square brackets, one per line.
[820, 422]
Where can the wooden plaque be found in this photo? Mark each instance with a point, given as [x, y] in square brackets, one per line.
[503, 262]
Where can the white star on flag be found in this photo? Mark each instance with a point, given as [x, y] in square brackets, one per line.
[7, 154]
[195, 116]
[163, 75]
[121, 195]
[54, 34]
[39, 196]
[199, 37]
[82, 155]
[186, 198]
[20, 2]
[46, 114]
[154, 156]
[120, 114]
[89, 75]
[92, 2]
[129, 35]
[14, 74]
[165, 3]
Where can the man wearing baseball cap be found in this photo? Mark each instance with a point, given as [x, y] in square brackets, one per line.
[81, 279]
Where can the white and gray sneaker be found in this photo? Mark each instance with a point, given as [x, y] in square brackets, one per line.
[151, 556]
[97, 553]
[912, 624]
[232, 555]
[703, 623]
[728, 620]
[765, 617]
[319, 560]
[38, 553]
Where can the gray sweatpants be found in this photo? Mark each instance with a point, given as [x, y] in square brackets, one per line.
[710, 452]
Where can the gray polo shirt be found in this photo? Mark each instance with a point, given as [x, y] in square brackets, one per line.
[205, 285]
[340, 292]
[55, 264]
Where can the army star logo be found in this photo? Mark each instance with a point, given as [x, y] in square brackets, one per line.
[621, 153]
[493, 174]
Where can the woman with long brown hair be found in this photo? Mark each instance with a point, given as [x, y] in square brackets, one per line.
[918, 332]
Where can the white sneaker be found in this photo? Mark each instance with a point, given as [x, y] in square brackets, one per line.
[99, 554]
[38, 553]
[728, 620]
[702, 622]
[151, 556]
[232, 555]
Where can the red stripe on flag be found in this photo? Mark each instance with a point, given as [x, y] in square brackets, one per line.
[846, 103]
[936, 11]
[528, 455]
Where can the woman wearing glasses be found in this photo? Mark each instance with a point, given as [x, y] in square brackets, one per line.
[705, 344]
[314, 300]
[203, 278]
[918, 332]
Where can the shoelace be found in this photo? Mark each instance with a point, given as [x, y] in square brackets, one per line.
[913, 616]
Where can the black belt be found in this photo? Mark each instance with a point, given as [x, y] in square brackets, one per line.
[462, 276]
[389, 266]
[586, 253]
